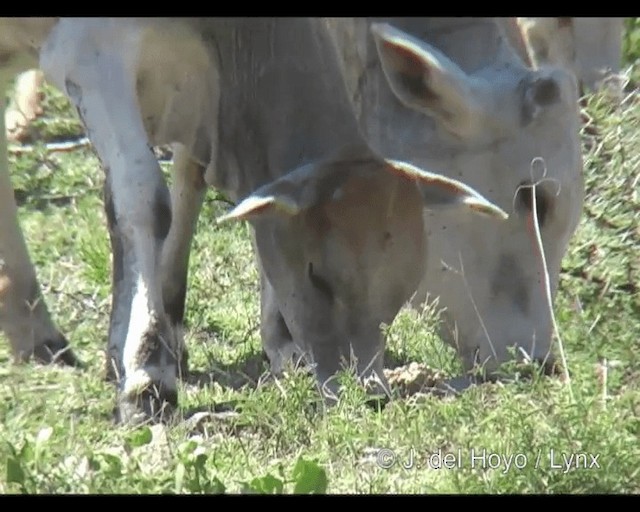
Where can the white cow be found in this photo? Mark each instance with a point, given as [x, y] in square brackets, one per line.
[590, 47]
[473, 111]
[259, 109]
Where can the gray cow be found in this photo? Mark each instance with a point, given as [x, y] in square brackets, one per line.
[451, 95]
[259, 108]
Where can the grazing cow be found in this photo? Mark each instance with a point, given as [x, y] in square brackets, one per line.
[260, 110]
[590, 47]
[451, 95]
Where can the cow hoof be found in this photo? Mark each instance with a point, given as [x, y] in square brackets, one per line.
[56, 351]
[150, 406]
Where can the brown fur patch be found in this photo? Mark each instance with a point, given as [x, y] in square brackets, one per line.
[371, 206]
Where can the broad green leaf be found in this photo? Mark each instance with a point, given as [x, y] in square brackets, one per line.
[15, 473]
[140, 437]
[268, 484]
[309, 477]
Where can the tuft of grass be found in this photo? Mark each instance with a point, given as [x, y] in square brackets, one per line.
[62, 122]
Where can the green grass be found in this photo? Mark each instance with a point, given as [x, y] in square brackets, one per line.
[56, 430]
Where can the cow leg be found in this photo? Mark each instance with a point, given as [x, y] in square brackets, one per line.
[142, 345]
[24, 316]
[147, 361]
[187, 195]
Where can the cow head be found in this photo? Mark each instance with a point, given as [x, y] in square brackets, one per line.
[342, 243]
[500, 130]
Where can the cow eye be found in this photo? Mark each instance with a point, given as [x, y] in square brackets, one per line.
[320, 284]
[524, 201]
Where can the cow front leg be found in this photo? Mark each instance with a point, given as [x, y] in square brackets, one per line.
[142, 350]
[187, 195]
[142, 345]
[24, 316]
[145, 353]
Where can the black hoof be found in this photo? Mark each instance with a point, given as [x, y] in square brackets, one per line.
[57, 351]
[150, 406]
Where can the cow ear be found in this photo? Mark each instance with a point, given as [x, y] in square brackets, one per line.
[424, 79]
[257, 204]
[439, 192]
[288, 195]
